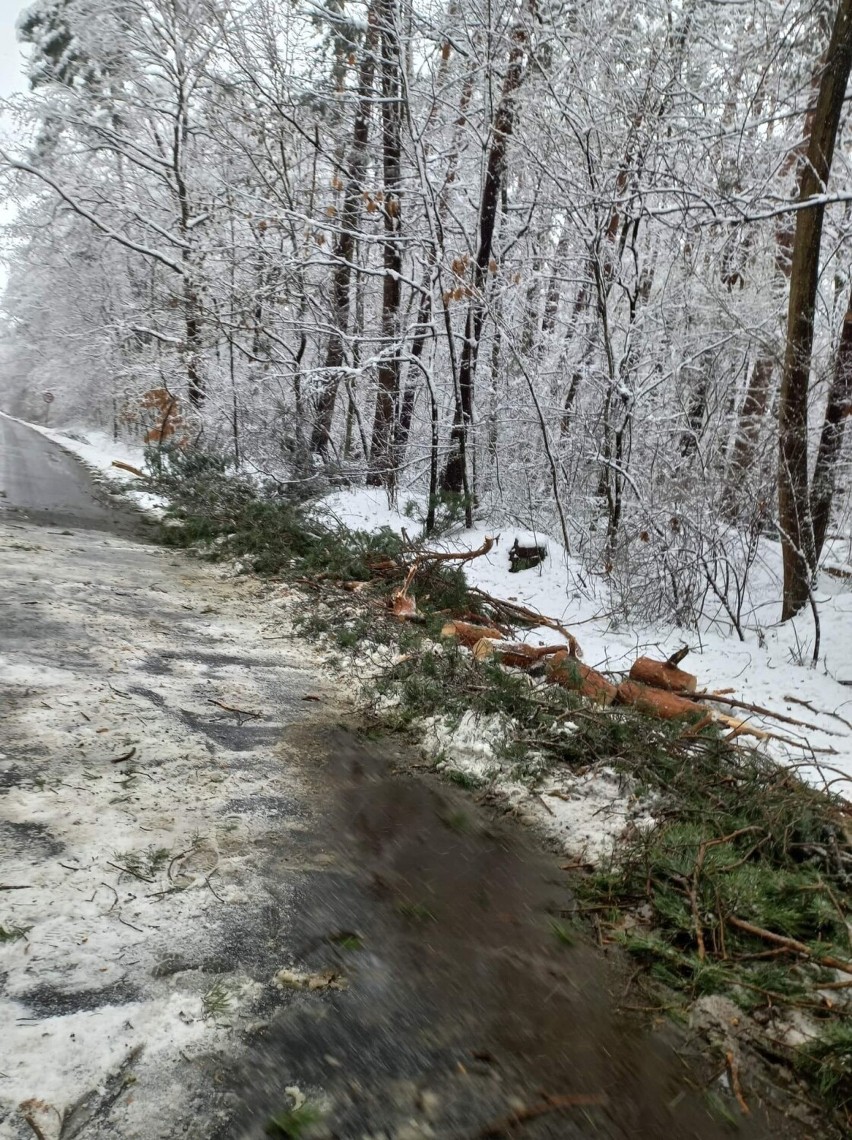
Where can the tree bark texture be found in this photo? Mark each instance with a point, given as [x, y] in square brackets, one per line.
[794, 510]
[838, 410]
[344, 247]
[382, 464]
[453, 477]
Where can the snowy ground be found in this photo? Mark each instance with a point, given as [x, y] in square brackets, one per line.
[135, 812]
[771, 665]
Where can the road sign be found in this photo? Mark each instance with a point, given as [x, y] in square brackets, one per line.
[48, 397]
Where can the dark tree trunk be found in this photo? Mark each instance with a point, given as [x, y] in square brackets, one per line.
[344, 247]
[454, 476]
[382, 460]
[794, 513]
[837, 411]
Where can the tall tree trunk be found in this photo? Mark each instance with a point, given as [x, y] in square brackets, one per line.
[382, 465]
[838, 410]
[454, 476]
[344, 246]
[794, 515]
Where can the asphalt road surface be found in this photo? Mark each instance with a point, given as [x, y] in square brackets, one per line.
[41, 480]
[218, 903]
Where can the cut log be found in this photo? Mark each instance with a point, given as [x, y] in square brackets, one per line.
[511, 611]
[662, 675]
[469, 634]
[570, 673]
[127, 467]
[514, 654]
[659, 702]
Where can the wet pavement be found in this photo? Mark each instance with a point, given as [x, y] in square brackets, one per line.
[471, 994]
[42, 483]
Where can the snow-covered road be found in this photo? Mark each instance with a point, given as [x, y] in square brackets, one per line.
[135, 804]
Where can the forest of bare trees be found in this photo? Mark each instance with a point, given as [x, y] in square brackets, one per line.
[581, 265]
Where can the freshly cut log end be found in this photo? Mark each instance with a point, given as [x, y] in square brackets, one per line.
[565, 670]
[403, 606]
[662, 675]
[659, 702]
[469, 634]
[129, 467]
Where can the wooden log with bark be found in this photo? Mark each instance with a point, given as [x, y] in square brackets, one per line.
[513, 612]
[569, 672]
[469, 634]
[664, 674]
[514, 654]
[129, 467]
[659, 702]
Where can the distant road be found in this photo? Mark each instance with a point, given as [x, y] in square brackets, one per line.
[41, 481]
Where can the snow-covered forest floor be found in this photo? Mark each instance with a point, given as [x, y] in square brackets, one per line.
[772, 662]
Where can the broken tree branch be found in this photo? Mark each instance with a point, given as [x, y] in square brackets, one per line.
[550, 1104]
[759, 710]
[819, 712]
[234, 709]
[829, 961]
[128, 467]
[513, 609]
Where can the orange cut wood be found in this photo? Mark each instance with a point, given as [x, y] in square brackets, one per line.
[403, 606]
[662, 675]
[514, 654]
[659, 702]
[469, 634]
[570, 673]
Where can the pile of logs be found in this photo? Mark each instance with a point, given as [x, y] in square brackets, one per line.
[656, 688]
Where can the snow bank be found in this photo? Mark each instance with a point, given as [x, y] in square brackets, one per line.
[469, 747]
[365, 508]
